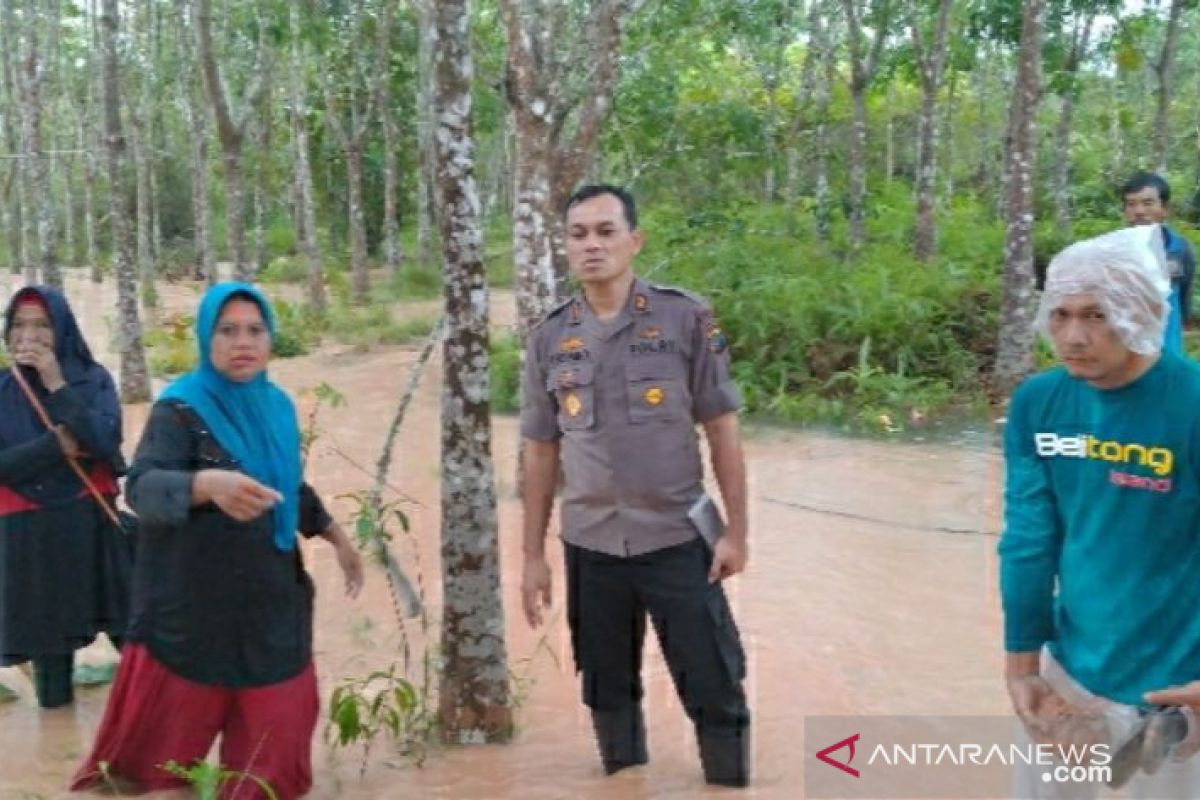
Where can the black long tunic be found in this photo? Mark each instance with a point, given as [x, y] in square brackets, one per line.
[64, 569]
[214, 600]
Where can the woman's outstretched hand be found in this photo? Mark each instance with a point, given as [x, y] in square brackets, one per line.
[238, 495]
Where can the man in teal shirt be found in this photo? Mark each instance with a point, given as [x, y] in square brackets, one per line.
[1100, 556]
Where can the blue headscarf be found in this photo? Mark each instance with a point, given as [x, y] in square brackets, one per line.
[255, 421]
[19, 423]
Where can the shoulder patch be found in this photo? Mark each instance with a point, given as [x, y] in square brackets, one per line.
[554, 312]
[684, 293]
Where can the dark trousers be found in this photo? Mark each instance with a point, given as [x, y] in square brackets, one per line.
[608, 599]
[52, 676]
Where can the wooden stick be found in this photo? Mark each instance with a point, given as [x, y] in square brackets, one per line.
[109, 511]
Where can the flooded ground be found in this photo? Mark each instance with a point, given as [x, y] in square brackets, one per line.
[871, 590]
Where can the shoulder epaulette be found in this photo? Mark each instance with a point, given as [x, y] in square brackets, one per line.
[554, 312]
[675, 290]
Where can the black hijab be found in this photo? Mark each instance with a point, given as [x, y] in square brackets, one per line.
[19, 422]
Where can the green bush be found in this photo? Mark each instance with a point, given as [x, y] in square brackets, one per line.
[279, 238]
[284, 269]
[171, 347]
[414, 282]
[298, 329]
[506, 373]
[871, 341]
[372, 325]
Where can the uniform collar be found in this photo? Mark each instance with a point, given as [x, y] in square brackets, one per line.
[637, 304]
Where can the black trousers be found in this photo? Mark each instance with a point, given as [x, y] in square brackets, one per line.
[608, 600]
[52, 677]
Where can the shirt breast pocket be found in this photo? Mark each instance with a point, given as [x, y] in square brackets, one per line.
[574, 388]
[656, 391]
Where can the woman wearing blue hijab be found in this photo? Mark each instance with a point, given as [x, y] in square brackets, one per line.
[220, 638]
[64, 568]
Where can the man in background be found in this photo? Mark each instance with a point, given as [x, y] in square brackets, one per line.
[1146, 200]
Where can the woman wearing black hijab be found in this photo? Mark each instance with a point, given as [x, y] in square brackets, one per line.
[64, 573]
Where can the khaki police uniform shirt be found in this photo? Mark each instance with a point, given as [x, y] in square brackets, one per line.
[623, 396]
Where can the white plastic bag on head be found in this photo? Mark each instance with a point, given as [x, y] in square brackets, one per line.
[1126, 271]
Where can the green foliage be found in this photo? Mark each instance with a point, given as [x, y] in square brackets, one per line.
[506, 373]
[208, 780]
[297, 329]
[171, 347]
[878, 343]
[283, 269]
[279, 238]
[374, 324]
[326, 395]
[414, 282]
[384, 702]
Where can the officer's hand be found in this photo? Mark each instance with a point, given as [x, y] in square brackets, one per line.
[729, 558]
[535, 589]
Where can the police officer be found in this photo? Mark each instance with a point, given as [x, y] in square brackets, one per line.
[615, 381]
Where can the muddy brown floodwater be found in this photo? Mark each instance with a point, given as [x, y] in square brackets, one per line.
[871, 590]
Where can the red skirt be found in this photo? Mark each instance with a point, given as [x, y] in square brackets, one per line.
[154, 716]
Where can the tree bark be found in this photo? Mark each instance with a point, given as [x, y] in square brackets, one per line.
[231, 132]
[474, 701]
[358, 224]
[201, 193]
[863, 62]
[426, 223]
[134, 377]
[392, 254]
[145, 257]
[1080, 37]
[1162, 94]
[88, 141]
[1014, 350]
[352, 133]
[931, 61]
[31, 79]
[89, 192]
[14, 207]
[309, 245]
[551, 159]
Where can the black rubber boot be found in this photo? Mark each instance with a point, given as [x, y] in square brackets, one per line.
[52, 678]
[621, 737]
[726, 759]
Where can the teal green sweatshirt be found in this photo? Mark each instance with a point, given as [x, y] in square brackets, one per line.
[1100, 556]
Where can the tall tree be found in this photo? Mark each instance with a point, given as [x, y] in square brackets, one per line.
[1066, 83]
[307, 214]
[426, 207]
[392, 254]
[550, 53]
[89, 141]
[1014, 350]
[474, 696]
[929, 45]
[864, 60]
[31, 80]
[350, 108]
[14, 206]
[1162, 93]
[197, 126]
[135, 378]
[231, 129]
